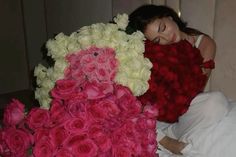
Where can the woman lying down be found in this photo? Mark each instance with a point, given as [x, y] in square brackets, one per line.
[191, 122]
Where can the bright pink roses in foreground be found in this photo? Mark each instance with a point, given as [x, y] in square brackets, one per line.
[90, 116]
[112, 125]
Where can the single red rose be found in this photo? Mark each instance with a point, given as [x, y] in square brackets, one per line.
[209, 64]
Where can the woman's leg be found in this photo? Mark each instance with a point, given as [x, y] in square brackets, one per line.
[205, 110]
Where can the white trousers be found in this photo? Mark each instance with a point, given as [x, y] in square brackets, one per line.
[205, 110]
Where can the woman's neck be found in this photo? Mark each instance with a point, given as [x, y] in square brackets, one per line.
[190, 38]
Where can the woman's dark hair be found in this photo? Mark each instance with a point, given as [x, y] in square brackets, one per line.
[142, 16]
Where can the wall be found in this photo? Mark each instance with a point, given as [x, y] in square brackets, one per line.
[13, 61]
[200, 15]
[69, 17]
[224, 77]
[216, 18]
[27, 25]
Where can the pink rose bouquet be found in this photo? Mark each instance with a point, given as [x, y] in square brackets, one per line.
[91, 112]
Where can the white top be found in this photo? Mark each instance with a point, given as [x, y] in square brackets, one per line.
[199, 39]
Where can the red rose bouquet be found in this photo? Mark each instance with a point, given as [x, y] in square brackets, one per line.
[176, 78]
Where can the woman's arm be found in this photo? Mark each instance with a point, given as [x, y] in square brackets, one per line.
[207, 49]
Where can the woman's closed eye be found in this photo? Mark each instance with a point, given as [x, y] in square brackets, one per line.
[162, 27]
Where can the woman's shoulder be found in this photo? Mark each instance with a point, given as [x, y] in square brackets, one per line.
[207, 47]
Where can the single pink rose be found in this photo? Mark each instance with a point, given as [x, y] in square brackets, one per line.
[80, 145]
[152, 148]
[127, 102]
[147, 154]
[151, 111]
[102, 74]
[58, 135]
[43, 147]
[89, 68]
[2, 142]
[14, 113]
[63, 153]
[105, 154]
[1, 149]
[95, 129]
[85, 148]
[77, 107]
[76, 125]
[58, 113]
[144, 123]
[110, 108]
[96, 112]
[78, 75]
[103, 142]
[64, 89]
[148, 137]
[120, 151]
[118, 136]
[128, 129]
[41, 133]
[73, 139]
[4, 149]
[37, 118]
[113, 123]
[17, 141]
[86, 59]
[98, 90]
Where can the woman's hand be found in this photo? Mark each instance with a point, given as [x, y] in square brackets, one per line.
[173, 145]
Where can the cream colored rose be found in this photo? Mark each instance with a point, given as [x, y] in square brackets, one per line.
[122, 21]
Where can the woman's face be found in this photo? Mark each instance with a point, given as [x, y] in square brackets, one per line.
[163, 31]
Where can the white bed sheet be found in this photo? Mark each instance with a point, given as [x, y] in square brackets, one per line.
[216, 141]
